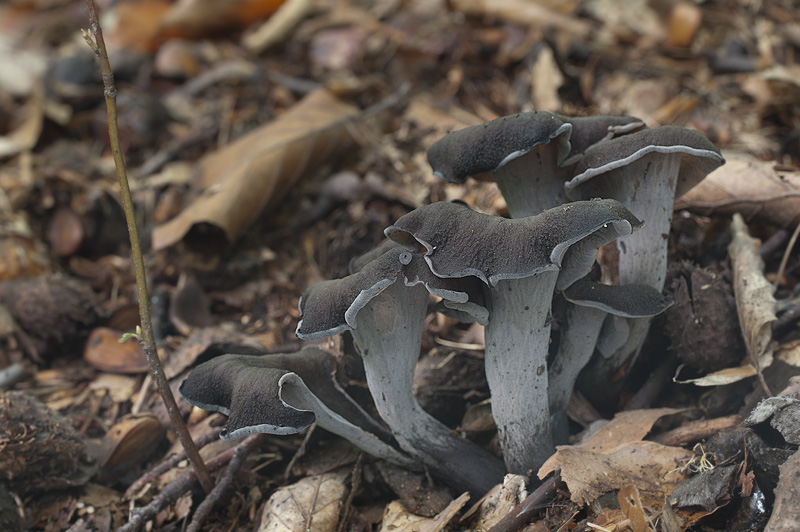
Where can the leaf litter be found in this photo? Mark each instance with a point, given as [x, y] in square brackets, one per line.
[259, 131]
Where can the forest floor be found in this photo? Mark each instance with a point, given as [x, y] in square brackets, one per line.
[319, 117]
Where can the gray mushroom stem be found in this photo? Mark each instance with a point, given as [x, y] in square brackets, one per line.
[389, 341]
[517, 338]
[588, 305]
[574, 352]
[538, 170]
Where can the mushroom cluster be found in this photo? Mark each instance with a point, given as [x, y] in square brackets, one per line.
[540, 160]
[503, 273]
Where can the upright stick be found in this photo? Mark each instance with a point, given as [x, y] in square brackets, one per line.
[97, 43]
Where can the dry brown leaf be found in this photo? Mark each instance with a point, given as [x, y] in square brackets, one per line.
[653, 468]
[312, 504]
[201, 18]
[255, 172]
[626, 427]
[755, 303]
[789, 353]
[728, 375]
[757, 190]
[127, 444]
[398, 519]
[279, 26]
[546, 79]
[26, 134]
[135, 25]
[104, 351]
[119, 387]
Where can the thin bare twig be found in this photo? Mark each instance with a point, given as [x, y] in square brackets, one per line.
[95, 40]
[172, 491]
[240, 453]
[167, 464]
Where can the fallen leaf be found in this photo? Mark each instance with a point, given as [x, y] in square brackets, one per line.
[135, 26]
[104, 351]
[20, 68]
[755, 303]
[127, 444]
[670, 521]
[684, 21]
[606, 436]
[397, 519]
[119, 387]
[310, 504]
[206, 343]
[789, 353]
[758, 190]
[26, 134]
[728, 375]
[653, 468]
[255, 172]
[546, 79]
[279, 26]
[195, 19]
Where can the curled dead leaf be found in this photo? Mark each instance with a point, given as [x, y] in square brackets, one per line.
[606, 436]
[653, 468]
[756, 189]
[255, 172]
[398, 519]
[755, 303]
[312, 504]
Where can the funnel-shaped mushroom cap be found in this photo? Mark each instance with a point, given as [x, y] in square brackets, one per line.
[460, 242]
[589, 130]
[629, 301]
[330, 307]
[250, 399]
[699, 157]
[251, 391]
[487, 147]
[283, 394]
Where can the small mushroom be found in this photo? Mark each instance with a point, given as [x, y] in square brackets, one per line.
[519, 262]
[589, 303]
[524, 153]
[384, 305]
[284, 394]
[645, 171]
